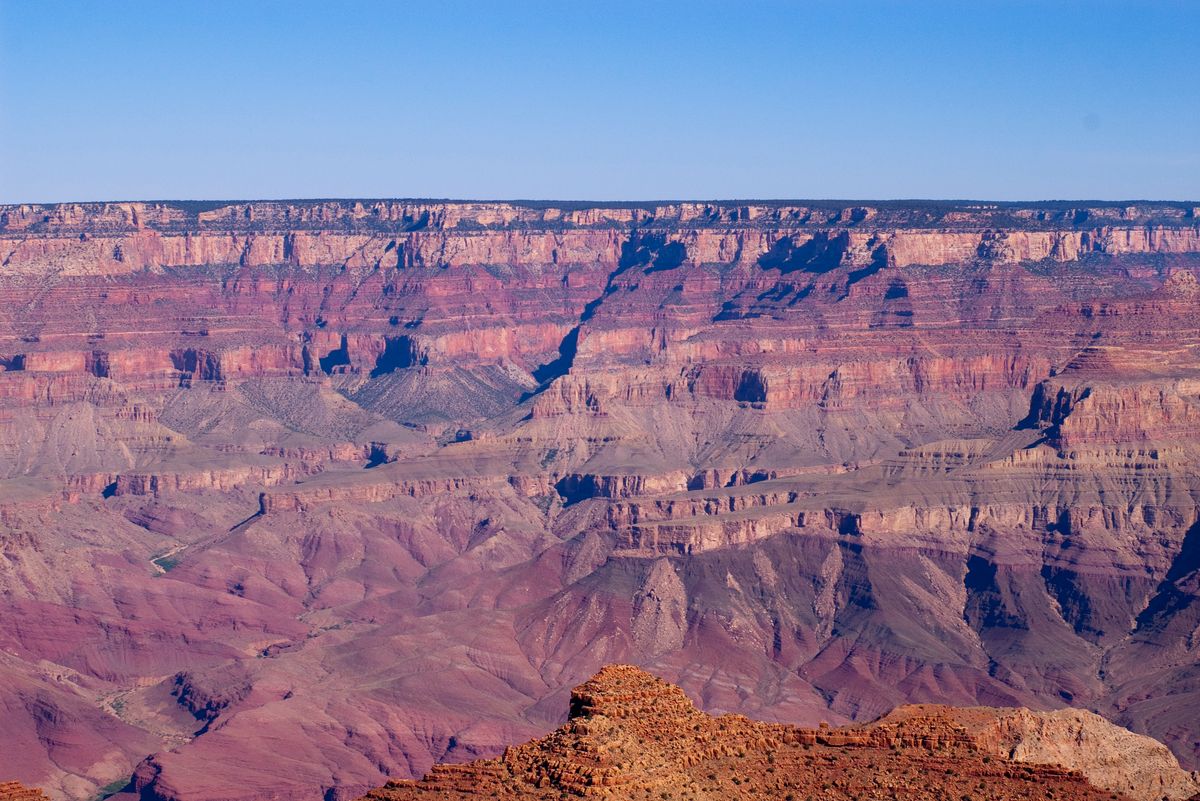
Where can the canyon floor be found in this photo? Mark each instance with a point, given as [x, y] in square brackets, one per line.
[326, 493]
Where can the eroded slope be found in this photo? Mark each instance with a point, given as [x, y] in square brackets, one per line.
[328, 492]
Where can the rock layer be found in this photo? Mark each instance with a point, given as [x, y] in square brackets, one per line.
[329, 491]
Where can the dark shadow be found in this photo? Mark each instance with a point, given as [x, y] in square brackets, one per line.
[985, 607]
[819, 255]
[200, 364]
[338, 357]
[670, 256]
[417, 224]
[638, 251]
[1170, 597]
[562, 364]
[377, 457]
[850, 524]
[878, 262]
[399, 353]
[573, 489]
[752, 388]
[1074, 605]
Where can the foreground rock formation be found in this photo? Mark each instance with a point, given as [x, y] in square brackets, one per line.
[15, 791]
[631, 735]
[1108, 756]
[327, 492]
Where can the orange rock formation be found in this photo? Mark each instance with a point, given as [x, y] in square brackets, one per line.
[15, 791]
[633, 736]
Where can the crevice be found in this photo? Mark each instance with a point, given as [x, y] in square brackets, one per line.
[561, 365]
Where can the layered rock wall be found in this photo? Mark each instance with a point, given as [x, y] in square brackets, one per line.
[382, 480]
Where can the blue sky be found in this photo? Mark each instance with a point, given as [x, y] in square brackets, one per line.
[588, 100]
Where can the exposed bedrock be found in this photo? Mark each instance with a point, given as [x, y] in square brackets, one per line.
[631, 735]
[328, 492]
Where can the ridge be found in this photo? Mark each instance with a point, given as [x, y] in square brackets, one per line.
[631, 735]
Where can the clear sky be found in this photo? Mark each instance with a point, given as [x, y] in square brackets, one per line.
[219, 99]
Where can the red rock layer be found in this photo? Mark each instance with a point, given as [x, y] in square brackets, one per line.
[323, 492]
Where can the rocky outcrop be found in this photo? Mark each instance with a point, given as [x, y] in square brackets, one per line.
[631, 735]
[1112, 758]
[1085, 415]
[15, 791]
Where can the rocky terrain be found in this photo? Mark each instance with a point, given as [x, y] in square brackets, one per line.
[329, 492]
[15, 791]
[631, 735]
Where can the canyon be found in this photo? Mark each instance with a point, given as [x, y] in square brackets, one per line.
[328, 492]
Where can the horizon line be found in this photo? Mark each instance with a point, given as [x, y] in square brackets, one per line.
[628, 203]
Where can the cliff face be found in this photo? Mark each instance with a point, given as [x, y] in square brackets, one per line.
[380, 481]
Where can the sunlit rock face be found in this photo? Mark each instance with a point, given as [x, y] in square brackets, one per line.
[631, 735]
[328, 492]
